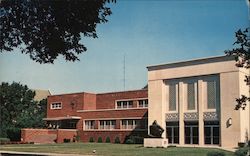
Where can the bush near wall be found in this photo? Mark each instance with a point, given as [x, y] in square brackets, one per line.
[117, 140]
[244, 149]
[241, 151]
[107, 140]
[14, 134]
[66, 140]
[4, 141]
[99, 140]
[134, 140]
[215, 153]
[91, 139]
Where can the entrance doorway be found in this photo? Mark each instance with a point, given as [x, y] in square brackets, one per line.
[172, 132]
[191, 133]
[212, 132]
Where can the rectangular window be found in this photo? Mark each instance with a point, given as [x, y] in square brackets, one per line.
[191, 96]
[143, 103]
[172, 132]
[212, 132]
[57, 105]
[191, 133]
[134, 124]
[107, 124]
[172, 97]
[124, 104]
[211, 94]
[89, 124]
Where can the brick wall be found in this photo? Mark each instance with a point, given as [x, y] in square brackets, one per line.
[121, 113]
[65, 134]
[86, 135]
[107, 100]
[47, 135]
[38, 135]
[95, 102]
[67, 107]
[89, 101]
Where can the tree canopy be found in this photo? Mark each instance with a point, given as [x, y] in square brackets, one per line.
[242, 56]
[18, 109]
[45, 29]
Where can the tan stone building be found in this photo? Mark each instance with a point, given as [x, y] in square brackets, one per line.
[194, 101]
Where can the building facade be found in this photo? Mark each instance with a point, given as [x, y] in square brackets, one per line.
[93, 116]
[194, 101]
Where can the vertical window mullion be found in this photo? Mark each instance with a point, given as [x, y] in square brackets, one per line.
[172, 128]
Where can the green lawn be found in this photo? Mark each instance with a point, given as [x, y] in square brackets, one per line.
[109, 149]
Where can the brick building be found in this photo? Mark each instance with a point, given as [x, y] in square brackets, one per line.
[193, 101]
[87, 115]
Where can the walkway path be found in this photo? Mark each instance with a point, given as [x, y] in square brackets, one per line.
[14, 153]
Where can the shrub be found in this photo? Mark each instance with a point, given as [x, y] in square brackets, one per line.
[215, 153]
[78, 138]
[241, 144]
[66, 140]
[4, 140]
[14, 134]
[241, 151]
[99, 140]
[107, 140]
[117, 140]
[134, 140]
[137, 139]
[129, 141]
[91, 139]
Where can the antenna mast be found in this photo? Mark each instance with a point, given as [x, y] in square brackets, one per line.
[124, 72]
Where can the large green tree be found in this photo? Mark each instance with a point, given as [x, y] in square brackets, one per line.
[18, 109]
[241, 52]
[45, 29]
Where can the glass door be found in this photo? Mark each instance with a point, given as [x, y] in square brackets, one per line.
[191, 133]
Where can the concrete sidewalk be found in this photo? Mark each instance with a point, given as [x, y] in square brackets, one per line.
[15, 153]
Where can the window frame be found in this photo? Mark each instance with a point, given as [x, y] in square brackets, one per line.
[125, 104]
[87, 127]
[176, 96]
[195, 83]
[167, 89]
[208, 106]
[107, 123]
[214, 78]
[134, 125]
[55, 103]
[144, 103]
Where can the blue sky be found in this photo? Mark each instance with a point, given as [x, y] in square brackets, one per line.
[147, 32]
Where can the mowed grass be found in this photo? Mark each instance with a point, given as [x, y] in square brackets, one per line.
[110, 149]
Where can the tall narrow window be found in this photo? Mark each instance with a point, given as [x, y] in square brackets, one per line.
[190, 96]
[143, 103]
[89, 124]
[107, 124]
[124, 104]
[172, 97]
[134, 124]
[211, 94]
[172, 129]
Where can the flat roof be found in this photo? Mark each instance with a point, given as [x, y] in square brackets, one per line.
[191, 62]
[112, 92]
[62, 118]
